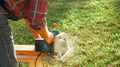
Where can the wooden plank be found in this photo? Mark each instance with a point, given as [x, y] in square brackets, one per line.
[32, 64]
[27, 53]
[24, 47]
[28, 58]
[26, 50]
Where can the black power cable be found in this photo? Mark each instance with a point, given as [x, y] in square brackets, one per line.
[37, 58]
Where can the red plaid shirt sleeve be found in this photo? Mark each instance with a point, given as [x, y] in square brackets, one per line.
[33, 10]
[37, 12]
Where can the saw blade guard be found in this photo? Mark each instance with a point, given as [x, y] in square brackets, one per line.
[62, 46]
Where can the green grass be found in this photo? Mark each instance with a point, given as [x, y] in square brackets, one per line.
[93, 25]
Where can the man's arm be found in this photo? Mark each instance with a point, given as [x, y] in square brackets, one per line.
[37, 13]
[43, 32]
[36, 20]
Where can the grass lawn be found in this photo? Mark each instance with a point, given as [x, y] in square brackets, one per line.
[93, 25]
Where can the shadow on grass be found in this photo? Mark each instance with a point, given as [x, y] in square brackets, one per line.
[116, 16]
[60, 10]
[116, 6]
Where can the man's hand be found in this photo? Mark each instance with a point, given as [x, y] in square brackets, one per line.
[49, 39]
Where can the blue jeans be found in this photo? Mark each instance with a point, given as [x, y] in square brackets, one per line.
[7, 53]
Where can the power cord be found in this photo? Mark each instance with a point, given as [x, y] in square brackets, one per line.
[37, 58]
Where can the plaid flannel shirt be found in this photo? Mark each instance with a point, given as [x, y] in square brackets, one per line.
[33, 10]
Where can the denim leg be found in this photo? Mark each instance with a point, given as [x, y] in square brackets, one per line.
[7, 53]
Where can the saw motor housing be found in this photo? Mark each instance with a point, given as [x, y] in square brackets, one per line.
[42, 46]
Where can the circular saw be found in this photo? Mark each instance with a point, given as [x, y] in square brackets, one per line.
[58, 50]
